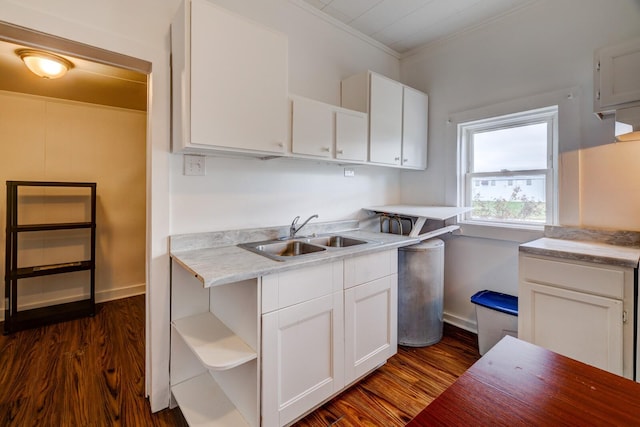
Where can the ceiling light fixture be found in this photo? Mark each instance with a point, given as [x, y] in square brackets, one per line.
[44, 64]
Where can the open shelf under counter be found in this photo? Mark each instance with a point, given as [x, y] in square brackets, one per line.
[217, 347]
[203, 403]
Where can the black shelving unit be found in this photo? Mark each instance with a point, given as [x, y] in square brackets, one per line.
[15, 320]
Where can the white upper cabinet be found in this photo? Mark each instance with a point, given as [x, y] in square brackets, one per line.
[616, 71]
[324, 130]
[351, 135]
[385, 124]
[230, 82]
[397, 119]
[414, 129]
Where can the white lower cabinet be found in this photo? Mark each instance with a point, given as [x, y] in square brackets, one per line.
[302, 341]
[581, 310]
[266, 351]
[371, 325]
[302, 360]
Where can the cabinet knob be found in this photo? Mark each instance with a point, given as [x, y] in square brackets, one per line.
[280, 144]
[340, 151]
[326, 149]
[397, 159]
[405, 160]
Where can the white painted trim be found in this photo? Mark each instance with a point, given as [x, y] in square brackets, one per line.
[102, 296]
[344, 27]
[466, 324]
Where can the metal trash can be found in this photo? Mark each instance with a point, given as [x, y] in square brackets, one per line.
[420, 293]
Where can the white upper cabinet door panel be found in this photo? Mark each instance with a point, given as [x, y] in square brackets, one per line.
[385, 120]
[414, 129]
[351, 136]
[312, 128]
[238, 81]
[616, 76]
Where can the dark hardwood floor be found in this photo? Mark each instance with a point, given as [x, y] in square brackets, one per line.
[399, 390]
[90, 372]
[85, 372]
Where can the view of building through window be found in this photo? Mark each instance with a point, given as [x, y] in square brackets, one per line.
[508, 168]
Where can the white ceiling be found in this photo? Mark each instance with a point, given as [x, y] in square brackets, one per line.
[404, 25]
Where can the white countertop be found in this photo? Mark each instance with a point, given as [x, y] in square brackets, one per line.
[602, 253]
[220, 265]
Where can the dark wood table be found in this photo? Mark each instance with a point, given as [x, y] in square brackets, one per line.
[520, 384]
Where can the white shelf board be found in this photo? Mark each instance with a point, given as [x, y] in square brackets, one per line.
[429, 212]
[203, 403]
[217, 347]
[439, 232]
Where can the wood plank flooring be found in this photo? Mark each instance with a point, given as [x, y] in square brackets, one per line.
[86, 372]
[399, 390]
[90, 372]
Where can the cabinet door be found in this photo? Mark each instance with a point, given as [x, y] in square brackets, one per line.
[414, 129]
[238, 81]
[371, 325]
[303, 357]
[385, 120]
[585, 327]
[617, 77]
[351, 136]
[312, 128]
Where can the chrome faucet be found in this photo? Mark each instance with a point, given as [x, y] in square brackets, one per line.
[293, 230]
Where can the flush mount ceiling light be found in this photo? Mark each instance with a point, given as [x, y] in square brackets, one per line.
[44, 64]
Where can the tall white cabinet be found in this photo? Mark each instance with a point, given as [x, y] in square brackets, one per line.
[579, 309]
[229, 82]
[398, 118]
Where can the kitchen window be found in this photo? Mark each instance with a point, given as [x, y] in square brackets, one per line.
[507, 168]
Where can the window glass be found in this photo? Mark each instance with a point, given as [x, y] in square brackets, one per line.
[514, 148]
[509, 175]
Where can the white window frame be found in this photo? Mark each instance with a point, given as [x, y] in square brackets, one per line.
[465, 132]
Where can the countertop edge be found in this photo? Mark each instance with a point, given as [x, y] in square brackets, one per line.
[578, 255]
[261, 265]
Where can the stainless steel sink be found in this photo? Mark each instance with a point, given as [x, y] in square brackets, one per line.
[281, 250]
[336, 241]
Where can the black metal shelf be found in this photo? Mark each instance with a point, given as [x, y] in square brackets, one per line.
[48, 227]
[26, 319]
[17, 320]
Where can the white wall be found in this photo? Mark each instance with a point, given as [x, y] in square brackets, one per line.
[54, 140]
[545, 47]
[320, 55]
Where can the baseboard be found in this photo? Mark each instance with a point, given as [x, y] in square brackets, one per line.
[101, 296]
[119, 293]
[462, 323]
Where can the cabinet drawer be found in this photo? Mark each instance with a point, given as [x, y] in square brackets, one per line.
[295, 286]
[593, 279]
[369, 267]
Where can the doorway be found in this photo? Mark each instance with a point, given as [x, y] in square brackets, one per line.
[90, 125]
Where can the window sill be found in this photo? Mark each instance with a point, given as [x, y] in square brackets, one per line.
[518, 234]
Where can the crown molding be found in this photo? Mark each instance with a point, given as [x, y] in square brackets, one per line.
[344, 27]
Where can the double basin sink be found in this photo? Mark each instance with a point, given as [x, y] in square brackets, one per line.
[282, 250]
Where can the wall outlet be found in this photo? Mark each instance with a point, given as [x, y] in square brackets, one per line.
[195, 165]
[349, 173]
